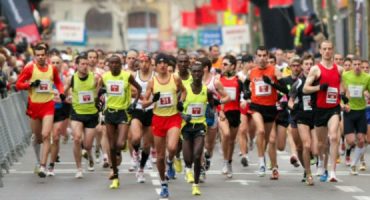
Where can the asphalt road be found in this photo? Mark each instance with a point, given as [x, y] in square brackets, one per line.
[22, 184]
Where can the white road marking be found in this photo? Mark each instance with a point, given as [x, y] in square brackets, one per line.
[242, 182]
[362, 197]
[349, 188]
[156, 182]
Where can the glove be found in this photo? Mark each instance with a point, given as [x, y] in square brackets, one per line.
[101, 92]
[247, 95]
[62, 97]
[324, 86]
[35, 83]
[216, 102]
[156, 97]
[284, 105]
[180, 106]
[344, 99]
[267, 80]
[131, 108]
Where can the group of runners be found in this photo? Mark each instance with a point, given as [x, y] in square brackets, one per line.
[158, 106]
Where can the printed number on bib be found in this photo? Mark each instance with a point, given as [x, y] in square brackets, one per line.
[306, 103]
[165, 100]
[355, 91]
[115, 88]
[231, 92]
[262, 89]
[196, 110]
[44, 87]
[331, 95]
[85, 97]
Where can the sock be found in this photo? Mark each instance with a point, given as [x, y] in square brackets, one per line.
[332, 174]
[348, 151]
[136, 147]
[358, 153]
[262, 161]
[230, 161]
[207, 155]
[187, 169]
[164, 183]
[144, 158]
[36, 148]
[169, 161]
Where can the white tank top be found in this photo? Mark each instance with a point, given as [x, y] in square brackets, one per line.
[211, 86]
[143, 85]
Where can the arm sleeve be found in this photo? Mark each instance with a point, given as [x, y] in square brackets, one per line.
[294, 91]
[57, 82]
[24, 77]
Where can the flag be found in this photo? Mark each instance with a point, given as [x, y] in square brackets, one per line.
[229, 18]
[188, 19]
[239, 6]
[280, 3]
[204, 15]
[219, 5]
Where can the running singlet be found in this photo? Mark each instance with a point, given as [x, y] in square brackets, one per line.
[144, 85]
[44, 92]
[196, 104]
[84, 94]
[331, 97]
[166, 105]
[118, 90]
[263, 93]
[356, 85]
[231, 87]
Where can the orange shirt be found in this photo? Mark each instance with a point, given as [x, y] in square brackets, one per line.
[262, 93]
[218, 63]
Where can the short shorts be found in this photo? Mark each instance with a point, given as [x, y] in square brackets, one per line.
[322, 116]
[233, 117]
[305, 118]
[282, 118]
[161, 124]
[191, 131]
[88, 120]
[144, 116]
[116, 117]
[40, 110]
[268, 112]
[355, 122]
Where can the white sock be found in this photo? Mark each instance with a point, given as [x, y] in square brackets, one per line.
[358, 153]
[332, 174]
[320, 164]
[262, 161]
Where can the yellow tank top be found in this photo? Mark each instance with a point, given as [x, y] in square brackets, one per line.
[196, 104]
[187, 81]
[166, 105]
[44, 92]
[84, 94]
[118, 90]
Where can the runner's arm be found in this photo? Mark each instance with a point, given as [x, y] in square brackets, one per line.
[133, 82]
[57, 82]
[24, 78]
[146, 102]
[308, 88]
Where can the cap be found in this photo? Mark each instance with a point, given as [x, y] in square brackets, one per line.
[161, 58]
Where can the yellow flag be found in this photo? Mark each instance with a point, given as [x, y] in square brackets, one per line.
[230, 19]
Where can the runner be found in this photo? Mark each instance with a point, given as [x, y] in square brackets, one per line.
[166, 121]
[327, 110]
[38, 78]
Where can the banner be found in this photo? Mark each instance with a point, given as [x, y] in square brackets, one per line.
[185, 41]
[30, 32]
[70, 32]
[229, 18]
[219, 5]
[188, 20]
[239, 6]
[235, 35]
[280, 3]
[205, 15]
[208, 37]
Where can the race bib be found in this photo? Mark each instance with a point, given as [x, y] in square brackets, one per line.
[306, 102]
[115, 88]
[355, 91]
[85, 97]
[44, 87]
[231, 92]
[262, 89]
[196, 110]
[165, 100]
[331, 95]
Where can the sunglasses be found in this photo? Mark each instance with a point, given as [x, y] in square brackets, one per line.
[55, 62]
[225, 64]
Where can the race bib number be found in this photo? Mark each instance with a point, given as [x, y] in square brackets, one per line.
[231, 92]
[306, 102]
[196, 110]
[115, 88]
[331, 95]
[355, 91]
[44, 87]
[262, 89]
[165, 100]
[85, 97]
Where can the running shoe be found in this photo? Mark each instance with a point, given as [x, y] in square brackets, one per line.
[354, 170]
[224, 168]
[84, 154]
[97, 156]
[177, 165]
[262, 171]
[164, 191]
[304, 177]
[338, 159]
[362, 166]
[244, 161]
[202, 177]
[189, 178]
[313, 160]
[51, 171]
[171, 173]
[309, 180]
[105, 163]
[149, 165]
[333, 179]
[324, 176]
[115, 184]
[320, 171]
[195, 190]
[348, 161]
[90, 167]
[343, 149]
[153, 155]
[274, 174]
[140, 176]
[42, 172]
[207, 163]
[294, 161]
[79, 174]
[36, 169]
[229, 173]
[135, 161]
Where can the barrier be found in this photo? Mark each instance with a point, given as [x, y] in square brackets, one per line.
[15, 130]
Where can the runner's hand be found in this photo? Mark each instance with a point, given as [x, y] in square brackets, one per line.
[35, 83]
[156, 97]
[267, 80]
[324, 86]
[131, 108]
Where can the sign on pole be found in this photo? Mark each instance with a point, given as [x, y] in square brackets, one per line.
[70, 32]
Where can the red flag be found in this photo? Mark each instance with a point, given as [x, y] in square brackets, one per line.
[219, 5]
[280, 3]
[188, 20]
[204, 15]
[256, 11]
[239, 6]
[323, 4]
[29, 32]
